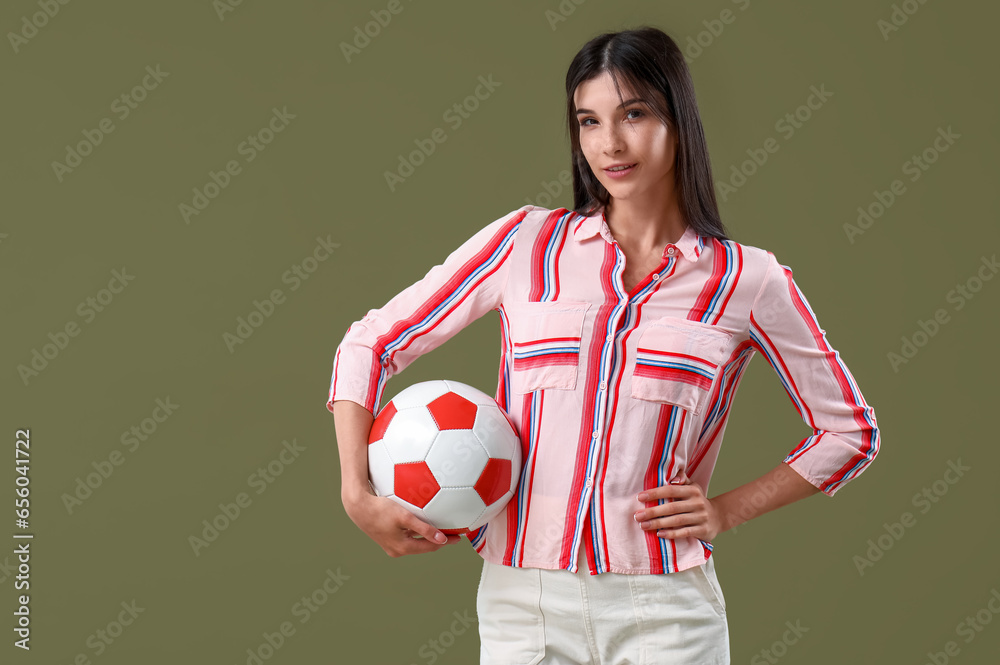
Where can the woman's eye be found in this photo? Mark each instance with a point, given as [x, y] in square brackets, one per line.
[628, 115]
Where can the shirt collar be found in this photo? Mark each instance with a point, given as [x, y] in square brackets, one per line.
[690, 243]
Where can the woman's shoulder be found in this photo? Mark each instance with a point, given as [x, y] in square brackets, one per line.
[541, 212]
[534, 217]
[750, 253]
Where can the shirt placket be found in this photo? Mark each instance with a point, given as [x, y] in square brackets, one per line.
[610, 354]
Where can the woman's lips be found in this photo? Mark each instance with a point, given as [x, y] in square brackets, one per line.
[620, 174]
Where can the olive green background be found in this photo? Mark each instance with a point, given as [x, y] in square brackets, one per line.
[163, 336]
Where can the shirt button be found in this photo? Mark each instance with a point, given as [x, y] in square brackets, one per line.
[589, 482]
[671, 250]
[610, 337]
[604, 384]
[656, 276]
[594, 435]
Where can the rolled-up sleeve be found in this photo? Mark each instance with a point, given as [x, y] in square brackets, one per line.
[845, 436]
[453, 294]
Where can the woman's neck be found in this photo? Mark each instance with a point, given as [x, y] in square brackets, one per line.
[644, 228]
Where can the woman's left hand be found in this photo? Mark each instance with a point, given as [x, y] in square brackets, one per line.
[687, 512]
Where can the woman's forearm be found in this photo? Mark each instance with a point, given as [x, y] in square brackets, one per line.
[778, 487]
[353, 424]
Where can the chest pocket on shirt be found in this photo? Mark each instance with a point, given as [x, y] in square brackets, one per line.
[546, 338]
[677, 361]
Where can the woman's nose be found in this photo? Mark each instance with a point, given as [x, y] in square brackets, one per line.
[613, 141]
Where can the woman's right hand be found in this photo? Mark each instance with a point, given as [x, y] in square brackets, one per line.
[393, 527]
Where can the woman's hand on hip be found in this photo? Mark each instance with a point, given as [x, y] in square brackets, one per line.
[687, 511]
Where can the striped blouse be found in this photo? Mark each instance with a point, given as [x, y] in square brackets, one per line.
[614, 392]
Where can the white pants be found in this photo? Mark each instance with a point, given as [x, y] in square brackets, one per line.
[533, 615]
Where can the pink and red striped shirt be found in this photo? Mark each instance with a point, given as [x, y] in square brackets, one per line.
[614, 392]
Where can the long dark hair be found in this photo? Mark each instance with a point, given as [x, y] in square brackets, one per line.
[650, 63]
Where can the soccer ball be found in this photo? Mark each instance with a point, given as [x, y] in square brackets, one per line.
[446, 452]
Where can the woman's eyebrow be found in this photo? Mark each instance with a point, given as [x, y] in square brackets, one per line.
[622, 105]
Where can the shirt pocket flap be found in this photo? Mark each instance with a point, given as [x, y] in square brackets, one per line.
[545, 339]
[677, 360]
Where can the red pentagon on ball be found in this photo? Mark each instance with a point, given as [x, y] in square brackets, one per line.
[494, 481]
[382, 422]
[452, 411]
[415, 483]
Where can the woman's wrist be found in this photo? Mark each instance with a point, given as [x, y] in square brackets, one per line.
[352, 492]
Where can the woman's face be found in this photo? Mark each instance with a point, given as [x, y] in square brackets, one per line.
[612, 135]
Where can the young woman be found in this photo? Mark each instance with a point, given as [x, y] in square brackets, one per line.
[626, 325]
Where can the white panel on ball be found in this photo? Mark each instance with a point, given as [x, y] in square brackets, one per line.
[407, 439]
[456, 458]
[454, 507]
[496, 433]
[380, 468]
[492, 511]
[409, 506]
[420, 394]
[474, 395]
